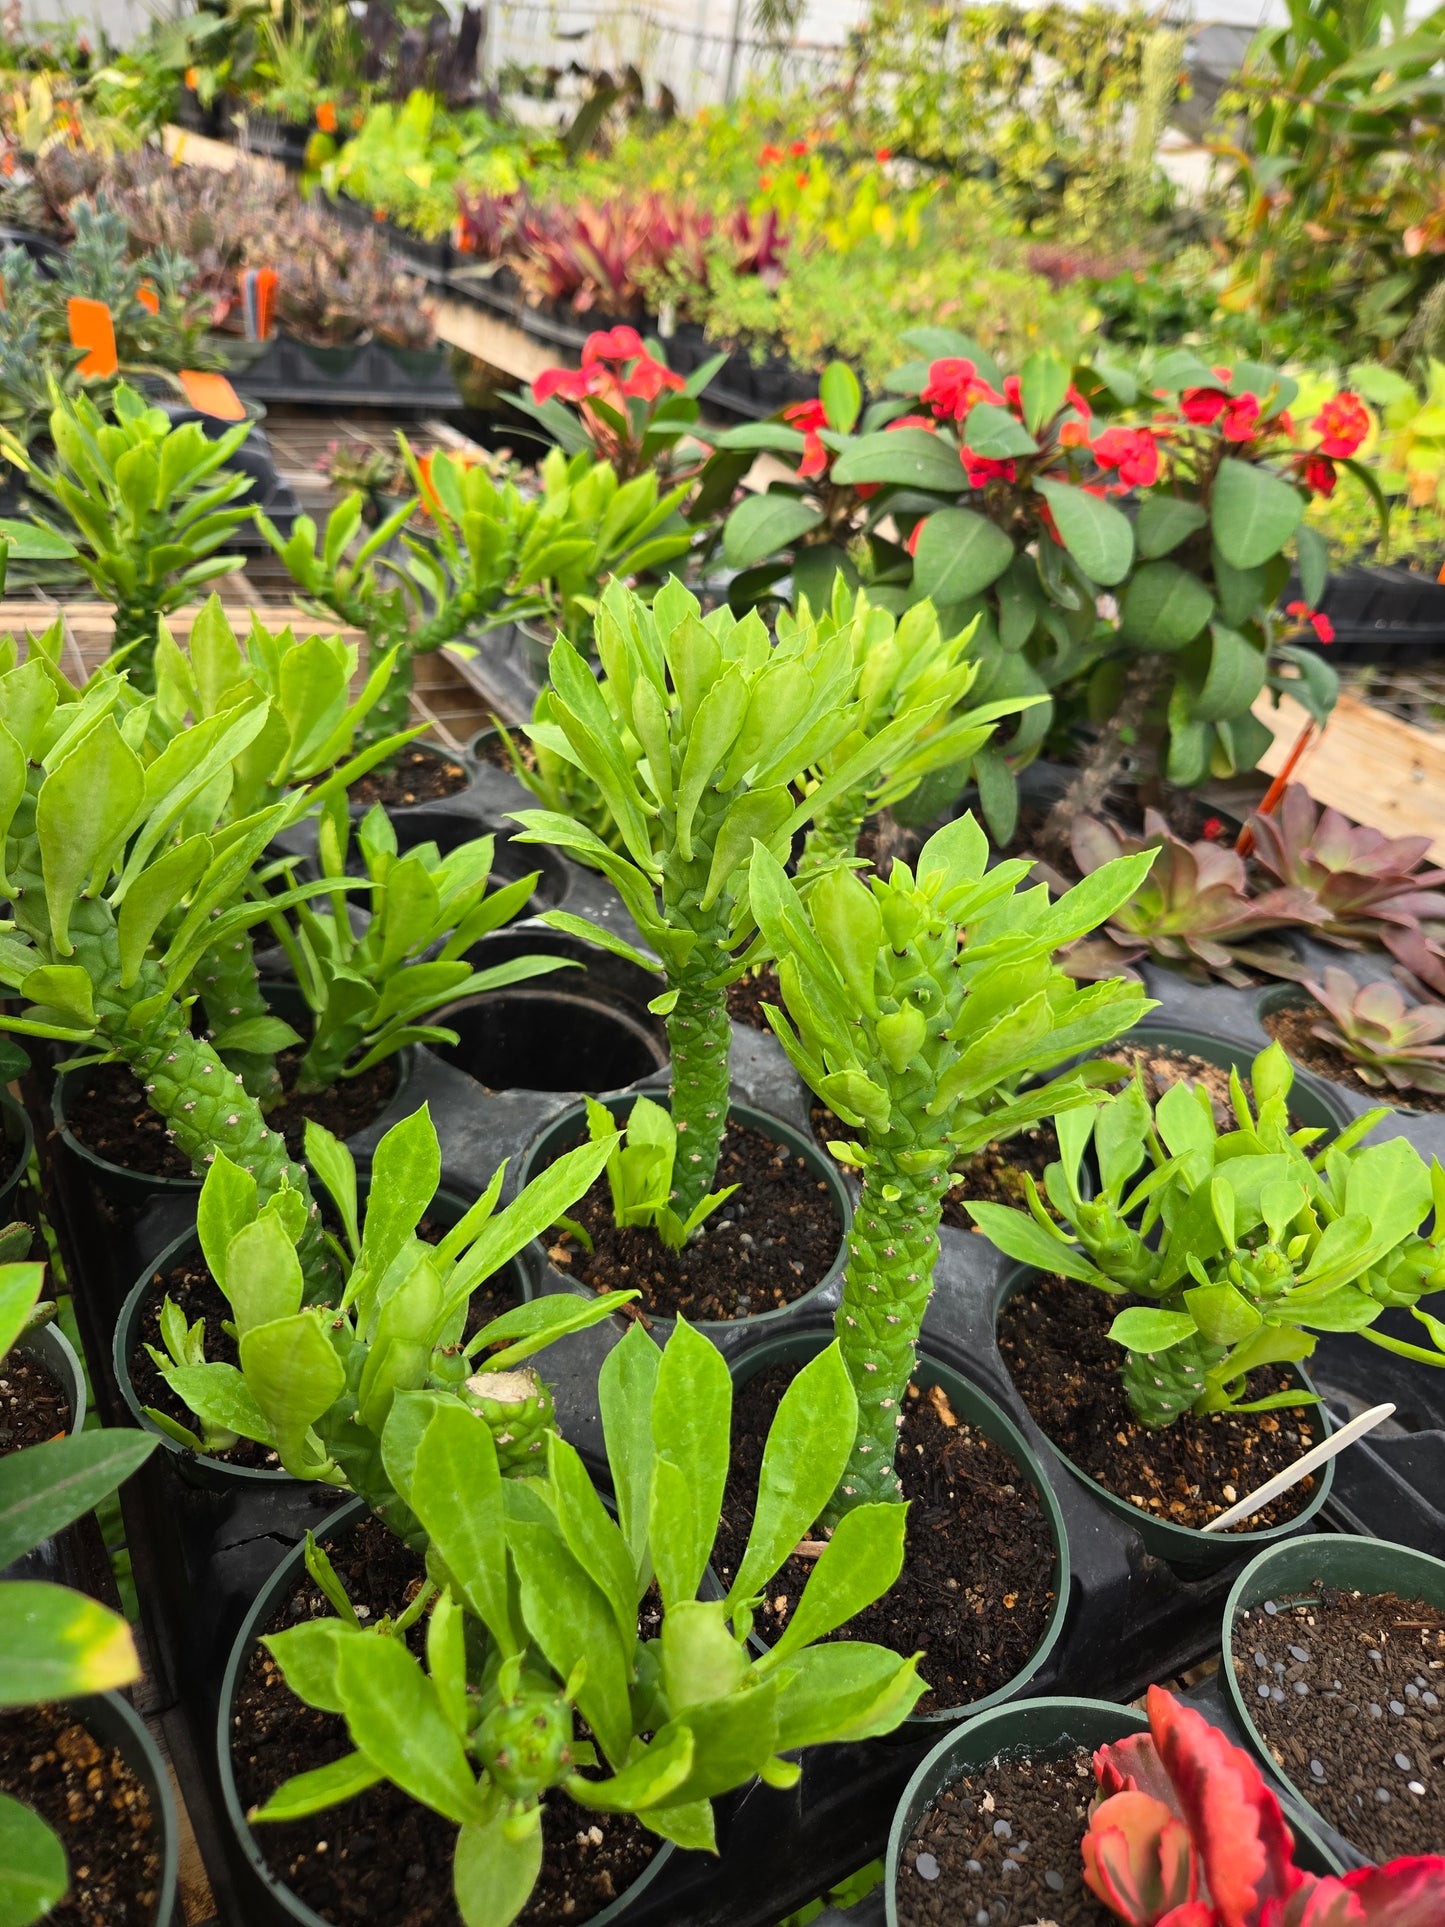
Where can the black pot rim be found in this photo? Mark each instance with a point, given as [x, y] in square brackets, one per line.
[1004, 1432]
[233, 1814]
[574, 1116]
[111, 1718]
[15, 1177]
[49, 1346]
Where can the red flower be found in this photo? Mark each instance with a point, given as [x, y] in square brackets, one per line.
[1302, 613]
[649, 378]
[1046, 517]
[883, 154]
[1318, 475]
[798, 150]
[1074, 435]
[613, 344]
[954, 385]
[326, 116]
[1203, 405]
[983, 468]
[809, 416]
[770, 156]
[1013, 394]
[1213, 828]
[912, 543]
[801, 180]
[1133, 451]
[1241, 419]
[570, 383]
[1342, 424]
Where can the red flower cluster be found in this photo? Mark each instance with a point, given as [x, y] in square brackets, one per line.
[809, 417]
[954, 385]
[1133, 451]
[605, 356]
[1342, 424]
[1237, 415]
[1302, 613]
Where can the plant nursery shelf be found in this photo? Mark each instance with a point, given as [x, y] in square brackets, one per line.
[1370, 766]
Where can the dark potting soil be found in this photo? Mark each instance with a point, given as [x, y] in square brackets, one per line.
[748, 995]
[1004, 1845]
[493, 751]
[114, 1120]
[773, 1240]
[1347, 1689]
[34, 1405]
[381, 1856]
[976, 1588]
[196, 1292]
[1054, 1336]
[85, 1791]
[416, 776]
[1292, 1027]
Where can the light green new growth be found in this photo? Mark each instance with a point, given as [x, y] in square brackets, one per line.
[918, 1007]
[693, 737]
[641, 1173]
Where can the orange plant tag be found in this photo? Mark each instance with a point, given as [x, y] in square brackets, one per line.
[148, 298]
[212, 395]
[92, 328]
[266, 283]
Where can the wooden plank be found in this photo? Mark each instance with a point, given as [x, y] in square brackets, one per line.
[1371, 767]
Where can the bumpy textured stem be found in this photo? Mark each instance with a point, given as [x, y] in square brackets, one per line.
[834, 834]
[231, 994]
[1161, 1385]
[138, 623]
[1117, 738]
[698, 1032]
[204, 1105]
[892, 1247]
[325, 1058]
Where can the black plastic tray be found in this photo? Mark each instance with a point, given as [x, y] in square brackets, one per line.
[1380, 615]
[370, 375]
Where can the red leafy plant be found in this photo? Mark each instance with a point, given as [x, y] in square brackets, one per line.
[1187, 1834]
[1370, 888]
[1388, 1041]
[1194, 907]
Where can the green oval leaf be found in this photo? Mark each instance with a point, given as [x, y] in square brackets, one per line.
[1164, 607]
[993, 432]
[1095, 533]
[33, 1875]
[958, 555]
[764, 524]
[1163, 522]
[1253, 513]
[904, 457]
[1144, 1330]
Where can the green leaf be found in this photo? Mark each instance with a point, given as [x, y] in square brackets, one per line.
[840, 395]
[648, 1781]
[45, 1487]
[33, 1875]
[689, 1826]
[1019, 1236]
[593, 1535]
[1164, 607]
[626, 1386]
[308, 1656]
[1095, 533]
[34, 542]
[220, 1397]
[765, 524]
[1314, 563]
[153, 895]
[1236, 676]
[861, 1561]
[568, 1616]
[1043, 387]
[1223, 1315]
[396, 1720]
[1142, 1329]
[958, 555]
[533, 1211]
[324, 1786]
[336, 1168]
[19, 1291]
[996, 434]
[295, 1377]
[406, 1169]
[82, 815]
[807, 1448]
[1253, 514]
[495, 1868]
[55, 1644]
[904, 458]
[691, 1414]
[847, 1690]
[1163, 522]
[263, 1274]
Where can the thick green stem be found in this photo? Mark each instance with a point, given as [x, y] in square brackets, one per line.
[833, 836]
[699, 1034]
[1161, 1385]
[392, 708]
[892, 1247]
[231, 994]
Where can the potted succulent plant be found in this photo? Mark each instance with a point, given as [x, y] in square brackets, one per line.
[1364, 1036]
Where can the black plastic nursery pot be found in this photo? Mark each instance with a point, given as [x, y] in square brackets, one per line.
[1041, 1727]
[569, 1127]
[266, 1899]
[1186, 1548]
[368, 374]
[49, 1347]
[586, 1028]
[973, 1406]
[1385, 614]
[1352, 1565]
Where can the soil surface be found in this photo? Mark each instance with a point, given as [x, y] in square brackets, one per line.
[34, 1405]
[1004, 1846]
[996, 1173]
[114, 1120]
[748, 995]
[976, 1588]
[1054, 1336]
[381, 1857]
[493, 751]
[773, 1240]
[101, 1811]
[1292, 1027]
[1347, 1689]
[196, 1292]
[416, 776]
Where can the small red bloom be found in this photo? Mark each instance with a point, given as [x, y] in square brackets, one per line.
[1318, 475]
[883, 154]
[612, 344]
[1203, 405]
[648, 379]
[984, 468]
[770, 156]
[798, 150]
[1213, 828]
[912, 543]
[569, 383]
[954, 385]
[1133, 451]
[800, 180]
[915, 421]
[1013, 394]
[1321, 624]
[326, 116]
[1074, 435]
[809, 416]
[1241, 419]
[1342, 424]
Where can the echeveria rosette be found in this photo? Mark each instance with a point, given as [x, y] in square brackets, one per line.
[1185, 1833]
[1246, 1243]
[533, 1591]
[693, 737]
[918, 1008]
[1389, 1042]
[1194, 908]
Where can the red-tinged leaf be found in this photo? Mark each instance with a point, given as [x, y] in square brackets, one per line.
[1133, 1765]
[1404, 1893]
[1138, 1859]
[1239, 1834]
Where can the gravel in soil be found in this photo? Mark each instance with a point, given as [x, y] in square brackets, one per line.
[416, 776]
[1347, 1689]
[196, 1292]
[976, 1589]
[84, 1790]
[1003, 1847]
[34, 1405]
[1054, 1337]
[113, 1119]
[1292, 1026]
[774, 1239]
[382, 1857]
